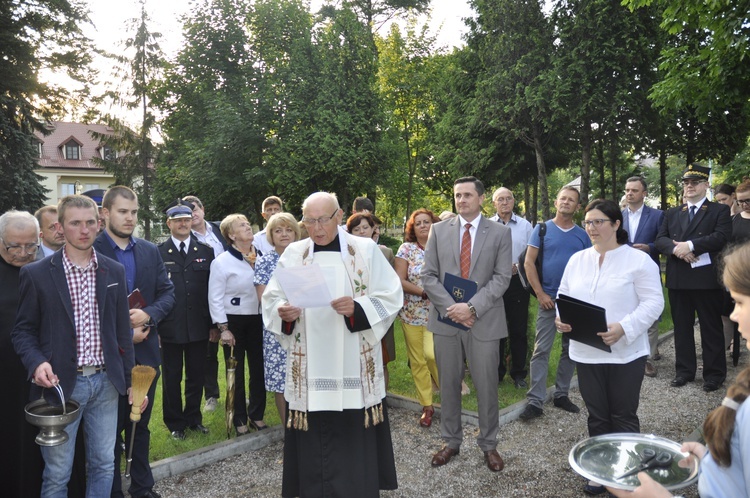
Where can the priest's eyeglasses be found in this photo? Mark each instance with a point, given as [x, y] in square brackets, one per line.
[595, 223]
[311, 222]
[17, 250]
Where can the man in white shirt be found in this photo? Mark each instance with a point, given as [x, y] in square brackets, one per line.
[642, 224]
[50, 231]
[516, 298]
[692, 237]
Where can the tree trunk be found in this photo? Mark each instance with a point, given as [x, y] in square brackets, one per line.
[585, 162]
[541, 171]
[613, 155]
[663, 177]
[535, 203]
[526, 201]
[689, 149]
[600, 166]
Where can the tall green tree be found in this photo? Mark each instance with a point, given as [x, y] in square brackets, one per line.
[209, 96]
[35, 36]
[605, 62]
[139, 69]
[514, 42]
[406, 74]
[712, 68]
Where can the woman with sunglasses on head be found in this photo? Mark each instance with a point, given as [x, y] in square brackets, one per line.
[725, 461]
[625, 282]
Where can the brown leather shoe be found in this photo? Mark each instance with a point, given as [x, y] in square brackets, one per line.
[443, 456]
[494, 461]
[650, 369]
[426, 419]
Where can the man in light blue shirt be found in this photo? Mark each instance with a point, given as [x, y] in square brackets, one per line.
[563, 239]
[516, 298]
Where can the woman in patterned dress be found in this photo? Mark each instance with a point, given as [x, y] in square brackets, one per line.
[281, 231]
[419, 344]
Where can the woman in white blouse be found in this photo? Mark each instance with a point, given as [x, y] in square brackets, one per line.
[235, 309]
[625, 282]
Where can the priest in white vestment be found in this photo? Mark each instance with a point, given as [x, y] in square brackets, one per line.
[338, 440]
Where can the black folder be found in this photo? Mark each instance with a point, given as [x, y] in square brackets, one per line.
[461, 290]
[586, 320]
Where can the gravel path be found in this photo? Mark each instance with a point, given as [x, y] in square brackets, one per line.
[535, 453]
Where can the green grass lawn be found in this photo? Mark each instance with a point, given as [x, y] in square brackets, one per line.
[163, 446]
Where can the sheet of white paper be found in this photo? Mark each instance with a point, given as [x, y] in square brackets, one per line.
[703, 260]
[304, 286]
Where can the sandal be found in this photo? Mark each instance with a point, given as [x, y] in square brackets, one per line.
[241, 430]
[426, 419]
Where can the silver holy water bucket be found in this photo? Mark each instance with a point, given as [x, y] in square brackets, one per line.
[52, 419]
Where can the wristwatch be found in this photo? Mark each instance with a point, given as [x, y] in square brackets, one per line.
[472, 309]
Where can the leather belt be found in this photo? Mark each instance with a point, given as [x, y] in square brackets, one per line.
[88, 370]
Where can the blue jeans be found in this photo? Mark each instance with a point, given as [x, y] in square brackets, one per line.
[98, 399]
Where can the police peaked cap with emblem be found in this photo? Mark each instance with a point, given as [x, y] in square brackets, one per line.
[695, 171]
[179, 209]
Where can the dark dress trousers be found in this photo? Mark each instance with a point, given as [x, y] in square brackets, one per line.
[697, 289]
[184, 332]
[158, 292]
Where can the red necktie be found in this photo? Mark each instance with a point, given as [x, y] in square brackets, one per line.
[466, 252]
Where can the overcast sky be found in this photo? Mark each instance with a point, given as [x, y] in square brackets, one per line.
[108, 16]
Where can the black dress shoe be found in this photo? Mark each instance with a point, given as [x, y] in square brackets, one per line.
[679, 381]
[178, 435]
[711, 385]
[150, 494]
[199, 428]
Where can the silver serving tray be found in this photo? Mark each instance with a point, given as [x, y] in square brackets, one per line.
[603, 458]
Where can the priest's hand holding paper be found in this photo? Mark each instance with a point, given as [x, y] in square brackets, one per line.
[289, 313]
[613, 334]
[343, 306]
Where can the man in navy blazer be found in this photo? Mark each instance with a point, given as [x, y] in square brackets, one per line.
[144, 270]
[692, 237]
[642, 224]
[60, 341]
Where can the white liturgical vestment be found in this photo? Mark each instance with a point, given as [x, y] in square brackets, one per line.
[344, 369]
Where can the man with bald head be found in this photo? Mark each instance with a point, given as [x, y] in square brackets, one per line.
[20, 461]
[334, 385]
[516, 298]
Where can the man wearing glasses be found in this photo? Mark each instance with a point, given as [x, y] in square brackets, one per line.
[335, 387]
[692, 237]
[515, 299]
[20, 459]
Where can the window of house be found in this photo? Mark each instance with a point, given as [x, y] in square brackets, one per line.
[72, 150]
[67, 189]
[90, 186]
[108, 153]
[39, 148]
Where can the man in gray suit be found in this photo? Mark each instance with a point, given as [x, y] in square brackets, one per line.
[477, 249]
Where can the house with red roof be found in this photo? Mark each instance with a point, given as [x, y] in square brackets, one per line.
[66, 159]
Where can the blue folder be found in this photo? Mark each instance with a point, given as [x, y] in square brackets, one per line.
[461, 290]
